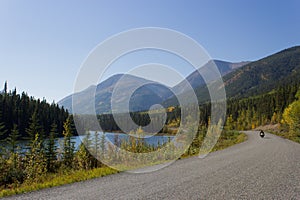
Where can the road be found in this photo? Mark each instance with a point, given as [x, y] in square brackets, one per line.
[266, 168]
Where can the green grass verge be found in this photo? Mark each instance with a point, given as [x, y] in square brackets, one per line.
[286, 135]
[52, 180]
[230, 139]
[227, 139]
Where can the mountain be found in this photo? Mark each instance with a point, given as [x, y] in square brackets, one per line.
[196, 80]
[143, 97]
[264, 75]
[241, 80]
[258, 77]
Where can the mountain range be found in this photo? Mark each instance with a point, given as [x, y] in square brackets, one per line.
[144, 97]
[242, 79]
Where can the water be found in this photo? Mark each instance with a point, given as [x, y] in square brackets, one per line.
[109, 137]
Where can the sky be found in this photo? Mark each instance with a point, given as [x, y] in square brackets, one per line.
[44, 43]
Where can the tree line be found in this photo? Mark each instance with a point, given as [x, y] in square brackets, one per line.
[17, 109]
[242, 113]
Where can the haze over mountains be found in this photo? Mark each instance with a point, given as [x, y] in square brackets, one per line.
[241, 79]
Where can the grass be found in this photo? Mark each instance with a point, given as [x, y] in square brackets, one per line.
[229, 139]
[281, 131]
[57, 179]
[286, 135]
[52, 180]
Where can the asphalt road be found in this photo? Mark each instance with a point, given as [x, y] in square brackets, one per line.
[266, 168]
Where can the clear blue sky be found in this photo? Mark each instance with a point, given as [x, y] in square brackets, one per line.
[43, 43]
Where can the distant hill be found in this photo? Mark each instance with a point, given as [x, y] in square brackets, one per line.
[196, 80]
[258, 77]
[265, 74]
[142, 99]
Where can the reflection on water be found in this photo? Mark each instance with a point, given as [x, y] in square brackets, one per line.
[109, 137]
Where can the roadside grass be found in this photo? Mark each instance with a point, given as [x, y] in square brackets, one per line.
[230, 139]
[227, 139]
[281, 131]
[57, 179]
[286, 135]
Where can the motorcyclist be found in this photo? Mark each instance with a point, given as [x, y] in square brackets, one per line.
[261, 133]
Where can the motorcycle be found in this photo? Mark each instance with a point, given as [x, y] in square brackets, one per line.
[262, 134]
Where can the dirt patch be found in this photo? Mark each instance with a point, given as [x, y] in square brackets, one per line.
[269, 127]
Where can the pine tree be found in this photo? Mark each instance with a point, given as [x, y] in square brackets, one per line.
[96, 148]
[5, 88]
[12, 140]
[34, 126]
[82, 157]
[69, 147]
[3, 132]
[51, 148]
[36, 163]
[102, 144]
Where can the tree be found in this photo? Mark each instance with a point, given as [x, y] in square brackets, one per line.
[19, 109]
[82, 158]
[229, 123]
[3, 132]
[69, 147]
[36, 163]
[34, 126]
[12, 140]
[291, 116]
[85, 159]
[96, 148]
[14, 169]
[102, 145]
[5, 87]
[51, 148]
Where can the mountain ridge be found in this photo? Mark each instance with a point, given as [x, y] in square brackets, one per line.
[241, 79]
[145, 96]
[259, 77]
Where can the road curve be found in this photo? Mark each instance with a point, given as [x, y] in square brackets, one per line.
[266, 168]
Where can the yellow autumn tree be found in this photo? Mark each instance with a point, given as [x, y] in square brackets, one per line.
[291, 116]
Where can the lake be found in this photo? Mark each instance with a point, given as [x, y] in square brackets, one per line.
[110, 137]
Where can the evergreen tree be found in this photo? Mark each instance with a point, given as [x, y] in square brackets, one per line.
[3, 132]
[51, 148]
[82, 157]
[96, 147]
[36, 163]
[5, 88]
[69, 147]
[102, 144]
[12, 140]
[34, 127]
